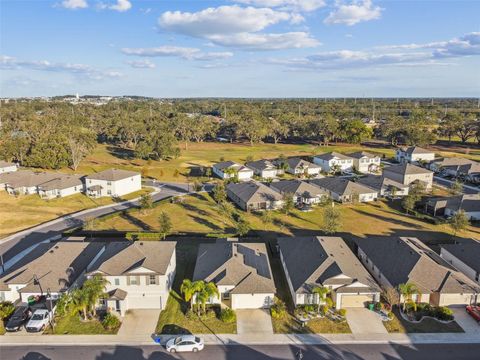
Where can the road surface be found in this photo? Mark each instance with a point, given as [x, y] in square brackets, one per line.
[241, 352]
[15, 244]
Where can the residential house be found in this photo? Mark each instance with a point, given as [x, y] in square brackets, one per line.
[396, 261]
[407, 174]
[302, 192]
[449, 206]
[254, 196]
[344, 190]
[449, 166]
[297, 166]
[469, 172]
[25, 182]
[334, 162]
[230, 169]
[464, 256]
[140, 274]
[384, 186]
[365, 162]
[263, 168]
[317, 261]
[414, 154]
[241, 272]
[61, 186]
[52, 267]
[113, 182]
[7, 167]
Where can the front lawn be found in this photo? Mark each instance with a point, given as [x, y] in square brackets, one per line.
[427, 325]
[73, 325]
[289, 325]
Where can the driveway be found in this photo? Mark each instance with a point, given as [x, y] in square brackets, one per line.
[363, 321]
[468, 324]
[255, 321]
[139, 322]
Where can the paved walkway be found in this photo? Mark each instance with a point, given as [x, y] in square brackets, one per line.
[363, 321]
[138, 323]
[255, 321]
[467, 323]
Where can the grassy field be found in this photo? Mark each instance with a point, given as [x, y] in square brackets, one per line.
[19, 213]
[72, 325]
[427, 325]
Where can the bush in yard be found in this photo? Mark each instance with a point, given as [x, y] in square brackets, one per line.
[278, 310]
[342, 312]
[6, 309]
[110, 322]
[209, 314]
[378, 306]
[323, 309]
[390, 315]
[309, 308]
[443, 313]
[228, 316]
[329, 302]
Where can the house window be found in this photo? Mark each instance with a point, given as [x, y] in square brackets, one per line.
[152, 279]
[109, 183]
[109, 192]
[2, 296]
[116, 281]
[133, 280]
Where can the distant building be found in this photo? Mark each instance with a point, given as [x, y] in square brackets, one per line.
[334, 162]
[449, 166]
[254, 196]
[407, 174]
[449, 206]
[384, 186]
[263, 168]
[297, 166]
[344, 190]
[365, 162]
[414, 154]
[61, 186]
[113, 182]
[230, 169]
[7, 167]
[302, 192]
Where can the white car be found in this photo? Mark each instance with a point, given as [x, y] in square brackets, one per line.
[39, 320]
[185, 343]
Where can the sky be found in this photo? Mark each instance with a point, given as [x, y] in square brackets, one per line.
[240, 48]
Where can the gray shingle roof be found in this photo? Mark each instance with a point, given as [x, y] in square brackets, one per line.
[120, 257]
[61, 182]
[113, 175]
[294, 163]
[225, 164]
[341, 186]
[403, 260]
[243, 265]
[26, 178]
[298, 188]
[467, 251]
[416, 150]
[407, 169]
[261, 165]
[333, 154]
[379, 182]
[251, 192]
[453, 161]
[317, 261]
[361, 154]
[466, 202]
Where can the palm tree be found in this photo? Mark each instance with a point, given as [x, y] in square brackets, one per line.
[79, 302]
[322, 292]
[407, 291]
[189, 289]
[95, 288]
[206, 292]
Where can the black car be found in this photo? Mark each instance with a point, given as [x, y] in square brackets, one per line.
[19, 318]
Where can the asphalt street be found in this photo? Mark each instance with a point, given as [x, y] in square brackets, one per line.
[241, 352]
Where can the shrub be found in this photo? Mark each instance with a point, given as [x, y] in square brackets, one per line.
[443, 313]
[378, 306]
[342, 312]
[209, 314]
[228, 316]
[323, 309]
[6, 309]
[390, 315]
[309, 308]
[329, 302]
[278, 310]
[110, 322]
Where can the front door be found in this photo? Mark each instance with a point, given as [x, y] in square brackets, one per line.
[117, 305]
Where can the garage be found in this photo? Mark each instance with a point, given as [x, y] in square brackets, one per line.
[252, 301]
[144, 302]
[355, 300]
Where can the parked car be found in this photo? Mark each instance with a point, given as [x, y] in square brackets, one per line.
[39, 320]
[474, 312]
[19, 318]
[185, 343]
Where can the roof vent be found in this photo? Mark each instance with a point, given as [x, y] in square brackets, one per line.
[141, 243]
[51, 251]
[56, 246]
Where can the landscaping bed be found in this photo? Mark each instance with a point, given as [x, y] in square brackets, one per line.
[427, 325]
[290, 325]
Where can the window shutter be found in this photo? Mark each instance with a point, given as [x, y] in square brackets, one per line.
[147, 279]
[128, 280]
[138, 280]
[157, 280]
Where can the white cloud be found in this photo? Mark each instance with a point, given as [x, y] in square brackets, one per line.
[291, 5]
[353, 13]
[141, 64]
[121, 5]
[177, 51]
[235, 26]
[11, 63]
[74, 4]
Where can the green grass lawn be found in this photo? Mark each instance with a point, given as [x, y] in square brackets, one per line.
[289, 325]
[427, 325]
[72, 325]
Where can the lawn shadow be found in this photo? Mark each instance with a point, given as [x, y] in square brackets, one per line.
[388, 219]
[135, 221]
[206, 223]
[193, 208]
[124, 154]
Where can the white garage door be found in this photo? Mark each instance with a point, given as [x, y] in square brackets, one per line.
[249, 301]
[145, 302]
[355, 300]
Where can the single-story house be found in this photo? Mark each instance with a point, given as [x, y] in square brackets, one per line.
[52, 267]
[230, 169]
[140, 274]
[317, 261]
[449, 206]
[7, 167]
[25, 182]
[298, 166]
[344, 190]
[414, 154]
[334, 162]
[465, 256]
[449, 166]
[241, 272]
[60, 186]
[253, 195]
[113, 182]
[365, 162]
[469, 172]
[407, 174]
[384, 186]
[263, 168]
[302, 192]
[396, 261]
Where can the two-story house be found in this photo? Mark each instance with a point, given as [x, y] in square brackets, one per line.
[300, 167]
[113, 182]
[365, 162]
[334, 162]
[414, 154]
[407, 174]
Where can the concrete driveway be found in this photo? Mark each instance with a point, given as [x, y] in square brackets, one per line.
[255, 321]
[364, 321]
[468, 324]
[139, 322]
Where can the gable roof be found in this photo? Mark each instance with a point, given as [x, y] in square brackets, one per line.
[416, 150]
[121, 257]
[362, 154]
[403, 260]
[26, 178]
[407, 169]
[252, 191]
[243, 265]
[467, 251]
[379, 182]
[453, 161]
[61, 182]
[261, 165]
[341, 186]
[56, 265]
[298, 188]
[466, 202]
[319, 261]
[113, 175]
[332, 155]
[296, 162]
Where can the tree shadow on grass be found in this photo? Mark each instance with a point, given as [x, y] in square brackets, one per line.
[135, 221]
[388, 219]
[124, 154]
[193, 208]
[205, 222]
